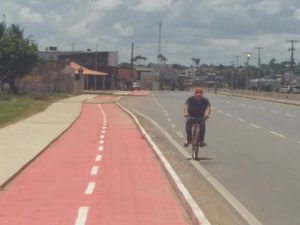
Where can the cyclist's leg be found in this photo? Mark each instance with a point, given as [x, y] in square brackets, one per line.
[188, 129]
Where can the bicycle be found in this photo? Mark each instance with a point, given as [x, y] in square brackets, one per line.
[195, 136]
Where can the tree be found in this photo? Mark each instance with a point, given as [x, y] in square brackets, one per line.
[18, 55]
[162, 59]
[196, 61]
[139, 58]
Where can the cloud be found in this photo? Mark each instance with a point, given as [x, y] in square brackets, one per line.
[26, 14]
[150, 6]
[213, 30]
[123, 30]
[104, 4]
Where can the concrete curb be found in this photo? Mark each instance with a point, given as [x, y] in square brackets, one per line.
[192, 209]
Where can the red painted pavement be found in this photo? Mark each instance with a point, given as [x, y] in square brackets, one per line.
[139, 93]
[131, 187]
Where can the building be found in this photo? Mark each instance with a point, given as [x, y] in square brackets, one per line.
[106, 62]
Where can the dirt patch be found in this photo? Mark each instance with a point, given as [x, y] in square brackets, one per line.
[217, 211]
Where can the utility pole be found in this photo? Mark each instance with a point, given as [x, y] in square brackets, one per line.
[292, 53]
[159, 43]
[231, 73]
[237, 66]
[237, 60]
[131, 64]
[259, 65]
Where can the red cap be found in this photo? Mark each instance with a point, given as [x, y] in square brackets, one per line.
[198, 92]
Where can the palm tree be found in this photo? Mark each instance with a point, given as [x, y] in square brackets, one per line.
[15, 30]
[162, 59]
[196, 61]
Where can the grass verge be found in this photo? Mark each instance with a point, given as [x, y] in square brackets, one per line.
[14, 108]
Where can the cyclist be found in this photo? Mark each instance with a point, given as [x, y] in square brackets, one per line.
[199, 107]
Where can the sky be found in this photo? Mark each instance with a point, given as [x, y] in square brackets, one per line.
[213, 30]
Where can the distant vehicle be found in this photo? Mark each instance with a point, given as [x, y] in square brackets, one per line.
[296, 89]
[285, 89]
[136, 86]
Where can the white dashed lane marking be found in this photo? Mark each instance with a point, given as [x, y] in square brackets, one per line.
[95, 170]
[229, 115]
[90, 188]
[240, 119]
[289, 115]
[173, 125]
[255, 126]
[274, 111]
[100, 148]
[277, 134]
[98, 158]
[82, 216]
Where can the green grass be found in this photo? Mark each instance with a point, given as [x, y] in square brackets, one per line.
[15, 108]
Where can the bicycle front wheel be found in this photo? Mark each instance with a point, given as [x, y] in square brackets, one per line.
[195, 142]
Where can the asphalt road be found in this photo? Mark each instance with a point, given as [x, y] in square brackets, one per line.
[253, 149]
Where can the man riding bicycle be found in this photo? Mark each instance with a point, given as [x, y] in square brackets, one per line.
[199, 107]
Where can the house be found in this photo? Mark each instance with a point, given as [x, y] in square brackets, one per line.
[106, 62]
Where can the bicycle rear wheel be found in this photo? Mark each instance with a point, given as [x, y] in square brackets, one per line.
[195, 142]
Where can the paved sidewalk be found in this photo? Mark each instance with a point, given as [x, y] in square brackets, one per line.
[23, 141]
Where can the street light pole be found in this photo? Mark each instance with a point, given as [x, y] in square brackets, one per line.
[248, 54]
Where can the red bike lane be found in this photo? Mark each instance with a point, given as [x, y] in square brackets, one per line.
[100, 171]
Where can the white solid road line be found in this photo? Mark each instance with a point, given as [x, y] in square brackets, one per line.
[255, 126]
[240, 119]
[277, 134]
[95, 170]
[90, 188]
[82, 216]
[98, 158]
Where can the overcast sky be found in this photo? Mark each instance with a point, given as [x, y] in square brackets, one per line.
[213, 30]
